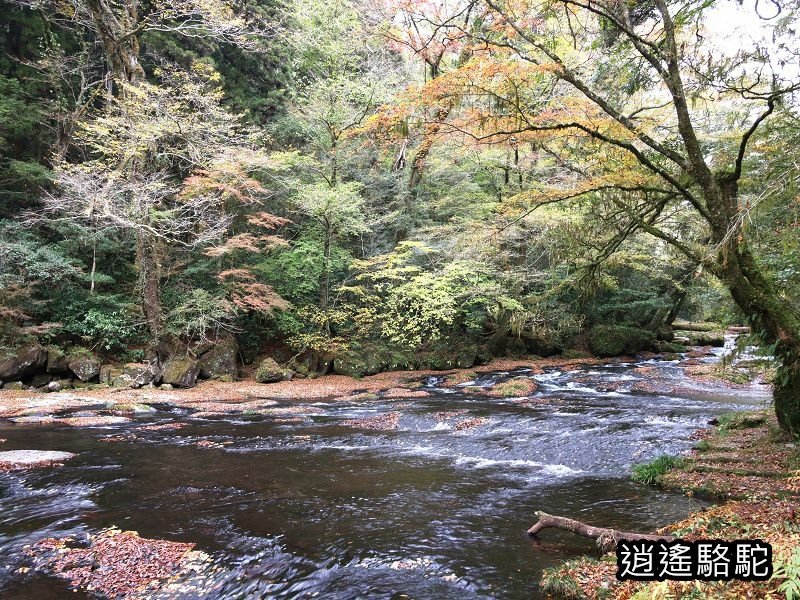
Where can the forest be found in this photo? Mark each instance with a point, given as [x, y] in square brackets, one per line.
[261, 191]
[426, 185]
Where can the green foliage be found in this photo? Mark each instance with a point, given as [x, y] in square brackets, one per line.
[649, 473]
[741, 420]
[405, 298]
[200, 314]
[107, 321]
[27, 260]
[789, 572]
[702, 446]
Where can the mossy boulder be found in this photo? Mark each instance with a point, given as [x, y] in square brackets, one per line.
[57, 361]
[180, 371]
[84, 365]
[220, 361]
[541, 344]
[269, 371]
[700, 338]
[613, 340]
[14, 385]
[23, 362]
[669, 347]
[128, 375]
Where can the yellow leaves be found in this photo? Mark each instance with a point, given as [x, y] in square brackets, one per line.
[628, 180]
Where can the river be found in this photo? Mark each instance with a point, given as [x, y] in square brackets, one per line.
[310, 505]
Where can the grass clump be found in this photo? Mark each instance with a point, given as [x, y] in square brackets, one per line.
[557, 583]
[649, 473]
[737, 420]
[519, 386]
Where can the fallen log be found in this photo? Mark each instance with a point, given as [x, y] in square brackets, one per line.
[696, 326]
[607, 538]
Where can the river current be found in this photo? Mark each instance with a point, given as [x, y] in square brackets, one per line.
[312, 506]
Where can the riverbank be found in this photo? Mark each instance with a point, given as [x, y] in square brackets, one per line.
[753, 468]
[216, 397]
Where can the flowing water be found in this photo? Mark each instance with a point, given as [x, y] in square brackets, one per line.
[312, 507]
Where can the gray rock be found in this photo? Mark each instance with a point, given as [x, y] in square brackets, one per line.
[85, 366]
[25, 361]
[269, 371]
[220, 362]
[40, 380]
[14, 385]
[57, 361]
[180, 371]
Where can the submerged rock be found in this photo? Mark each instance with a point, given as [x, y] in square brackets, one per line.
[93, 421]
[31, 459]
[131, 407]
[114, 563]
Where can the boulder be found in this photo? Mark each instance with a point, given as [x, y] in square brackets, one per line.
[541, 345]
[613, 340]
[40, 380]
[14, 385]
[220, 362]
[129, 375]
[169, 346]
[701, 338]
[57, 361]
[139, 374]
[23, 362]
[269, 371]
[85, 366]
[180, 371]
[108, 373]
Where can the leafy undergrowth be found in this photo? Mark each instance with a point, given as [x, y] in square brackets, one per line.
[745, 460]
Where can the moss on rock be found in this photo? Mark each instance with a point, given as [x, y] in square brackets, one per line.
[613, 340]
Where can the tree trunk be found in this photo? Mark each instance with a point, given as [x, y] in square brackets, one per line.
[776, 322]
[150, 284]
[606, 538]
[117, 30]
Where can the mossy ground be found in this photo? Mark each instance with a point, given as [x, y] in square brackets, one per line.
[747, 461]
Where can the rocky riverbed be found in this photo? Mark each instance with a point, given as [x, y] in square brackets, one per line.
[415, 483]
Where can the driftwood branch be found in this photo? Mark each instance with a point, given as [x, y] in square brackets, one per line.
[606, 538]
